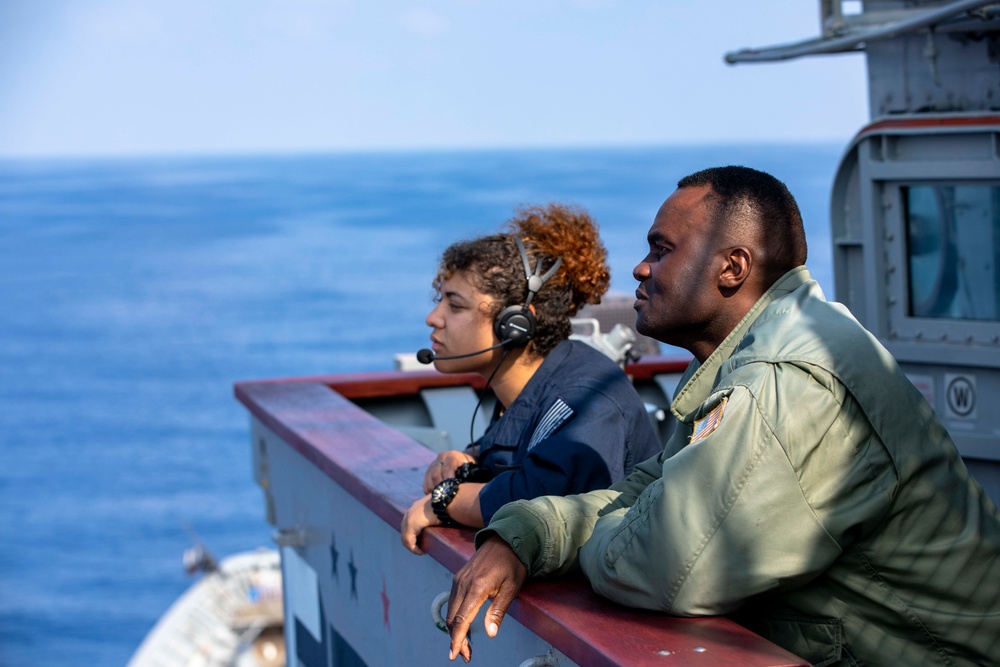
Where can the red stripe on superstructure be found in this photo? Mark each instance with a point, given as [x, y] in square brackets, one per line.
[925, 122]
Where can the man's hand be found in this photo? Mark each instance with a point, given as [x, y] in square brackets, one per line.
[495, 573]
[444, 466]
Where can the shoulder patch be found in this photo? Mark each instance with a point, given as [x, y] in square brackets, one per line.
[553, 419]
[705, 426]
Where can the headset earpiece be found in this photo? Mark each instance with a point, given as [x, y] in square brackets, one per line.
[515, 326]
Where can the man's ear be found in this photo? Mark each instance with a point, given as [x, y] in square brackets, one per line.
[739, 262]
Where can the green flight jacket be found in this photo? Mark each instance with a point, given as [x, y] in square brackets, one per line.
[814, 495]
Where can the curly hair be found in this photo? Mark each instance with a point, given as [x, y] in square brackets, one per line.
[548, 232]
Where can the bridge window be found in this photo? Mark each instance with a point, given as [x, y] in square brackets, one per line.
[953, 248]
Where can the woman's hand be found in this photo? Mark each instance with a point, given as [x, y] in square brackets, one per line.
[464, 509]
[419, 516]
[444, 466]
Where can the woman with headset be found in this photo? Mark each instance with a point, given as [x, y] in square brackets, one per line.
[567, 419]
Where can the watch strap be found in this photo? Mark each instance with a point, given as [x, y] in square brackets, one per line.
[472, 472]
[441, 497]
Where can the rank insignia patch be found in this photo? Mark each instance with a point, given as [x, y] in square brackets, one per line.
[705, 426]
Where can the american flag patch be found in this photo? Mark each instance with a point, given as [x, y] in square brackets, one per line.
[707, 424]
[553, 419]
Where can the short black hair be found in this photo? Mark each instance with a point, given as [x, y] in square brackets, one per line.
[773, 210]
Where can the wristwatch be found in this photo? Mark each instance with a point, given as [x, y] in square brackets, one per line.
[441, 497]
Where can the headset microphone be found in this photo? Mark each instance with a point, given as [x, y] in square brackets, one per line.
[426, 356]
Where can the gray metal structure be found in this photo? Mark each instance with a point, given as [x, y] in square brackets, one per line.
[915, 210]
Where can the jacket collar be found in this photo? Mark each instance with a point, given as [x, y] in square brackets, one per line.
[698, 380]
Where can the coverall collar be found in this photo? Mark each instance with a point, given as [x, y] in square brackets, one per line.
[698, 380]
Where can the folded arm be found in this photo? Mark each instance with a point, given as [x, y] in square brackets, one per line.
[767, 501]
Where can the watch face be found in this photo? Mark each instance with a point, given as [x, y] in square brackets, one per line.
[441, 497]
[444, 492]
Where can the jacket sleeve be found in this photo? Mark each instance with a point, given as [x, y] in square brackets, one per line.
[788, 479]
[547, 532]
[587, 451]
[766, 501]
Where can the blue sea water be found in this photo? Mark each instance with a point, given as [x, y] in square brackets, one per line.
[134, 292]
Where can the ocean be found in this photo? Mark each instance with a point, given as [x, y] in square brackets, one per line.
[135, 292]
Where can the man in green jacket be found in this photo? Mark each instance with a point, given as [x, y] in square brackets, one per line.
[813, 495]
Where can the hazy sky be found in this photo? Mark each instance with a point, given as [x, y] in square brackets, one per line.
[83, 77]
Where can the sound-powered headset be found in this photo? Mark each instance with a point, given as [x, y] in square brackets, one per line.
[514, 325]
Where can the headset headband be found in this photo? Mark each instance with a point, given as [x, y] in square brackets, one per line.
[535, 278]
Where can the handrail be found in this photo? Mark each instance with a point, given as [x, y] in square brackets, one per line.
[853, 41]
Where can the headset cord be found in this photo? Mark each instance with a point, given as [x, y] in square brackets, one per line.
[482, 394]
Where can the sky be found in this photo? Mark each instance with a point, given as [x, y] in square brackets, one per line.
[119, 77]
